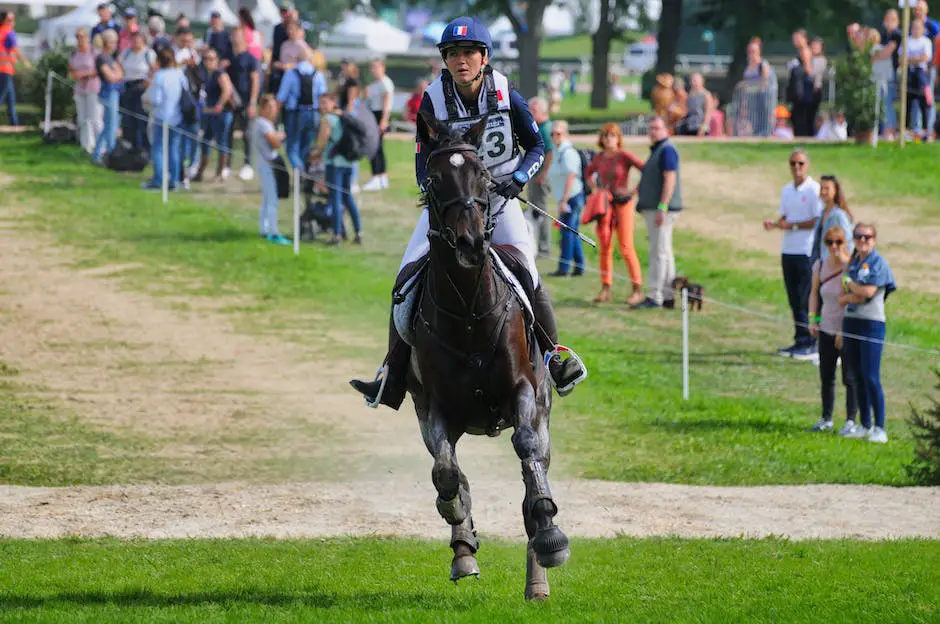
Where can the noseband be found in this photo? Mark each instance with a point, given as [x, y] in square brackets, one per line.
[463, 202]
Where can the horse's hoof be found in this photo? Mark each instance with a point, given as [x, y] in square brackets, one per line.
[536, 592]
[462, 566]
[551, 547]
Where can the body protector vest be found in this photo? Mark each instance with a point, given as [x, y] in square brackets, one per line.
[499, 149]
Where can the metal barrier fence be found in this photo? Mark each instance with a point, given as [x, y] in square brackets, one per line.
[751, 111]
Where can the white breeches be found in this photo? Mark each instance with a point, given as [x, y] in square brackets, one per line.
[511, 229]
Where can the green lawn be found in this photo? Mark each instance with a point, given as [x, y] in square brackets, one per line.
[745, 424]
[578, 46]
[622, 580]
[577, 108]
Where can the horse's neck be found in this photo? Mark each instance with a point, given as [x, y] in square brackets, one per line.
[475, 286]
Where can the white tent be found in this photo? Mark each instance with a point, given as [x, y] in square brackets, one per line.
[64, 26]
[374, 34]
[267, 16]
[558, 21]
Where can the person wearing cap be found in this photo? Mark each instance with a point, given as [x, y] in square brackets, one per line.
[278, 38]
[299, 96]
[126, 36]
[782, 129]
[512, 149]
[105, 21]
[220, 40]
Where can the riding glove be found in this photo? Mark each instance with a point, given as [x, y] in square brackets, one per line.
[511, 188]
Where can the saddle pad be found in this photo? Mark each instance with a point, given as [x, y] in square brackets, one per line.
[403, 313]
[510, 278]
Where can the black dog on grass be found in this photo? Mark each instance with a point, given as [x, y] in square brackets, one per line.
[696, 291]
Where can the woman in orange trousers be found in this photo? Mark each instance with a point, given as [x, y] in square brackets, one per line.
[612, 167]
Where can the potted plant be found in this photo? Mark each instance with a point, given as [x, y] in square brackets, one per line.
[856, 93]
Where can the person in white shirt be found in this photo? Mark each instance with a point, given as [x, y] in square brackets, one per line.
[919, 55]
[835, 128]
[379, 96]
[799, 210]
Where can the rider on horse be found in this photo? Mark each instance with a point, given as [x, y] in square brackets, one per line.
[468, 90]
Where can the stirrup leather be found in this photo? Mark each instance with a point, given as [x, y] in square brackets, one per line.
[558, 350]
[383, 374]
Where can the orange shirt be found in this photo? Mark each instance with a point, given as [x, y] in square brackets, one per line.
[7, 55]
[613, 172]
[936, 51]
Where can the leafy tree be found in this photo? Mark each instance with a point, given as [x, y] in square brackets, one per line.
[925, 429]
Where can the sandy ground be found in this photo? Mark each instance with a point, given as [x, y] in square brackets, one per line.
[122, 359]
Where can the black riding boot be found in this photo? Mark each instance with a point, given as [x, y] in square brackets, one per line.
[563, 372]
[396, 375]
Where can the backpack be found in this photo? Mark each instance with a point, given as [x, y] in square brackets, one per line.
[586, 156]
[126, 157]
[189, 106]
[306, 90]
[360, 138]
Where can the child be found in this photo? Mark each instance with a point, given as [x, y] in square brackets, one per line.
[783, 130]
[339, 169]
[266, 141]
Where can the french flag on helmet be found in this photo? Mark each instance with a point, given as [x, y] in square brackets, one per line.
[464, 30]
[460, 31]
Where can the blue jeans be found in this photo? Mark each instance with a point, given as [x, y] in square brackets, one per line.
[215, 129]
[864, 358]
[570, 243]
[889, 116]
[917, 118]
[301, 131]
[112, 119]
[267, 216]
[134, 119]
[8, 97]
[340, 180]
[156, 155]
[189, 144]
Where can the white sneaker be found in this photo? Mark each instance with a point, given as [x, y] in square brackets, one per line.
[226, 173]
[186, 183]
[384, 180]
[246, 173]
[822, 425]
[193, 170]
[878, 435]
[848, 428]
[354, 189]
[859, 433]
[375, 184]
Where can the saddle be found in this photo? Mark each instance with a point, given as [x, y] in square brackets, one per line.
[509, 263]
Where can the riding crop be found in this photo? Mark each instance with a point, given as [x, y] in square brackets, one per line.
[586, 239]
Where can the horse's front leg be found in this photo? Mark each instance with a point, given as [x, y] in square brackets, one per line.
[453, 492]
[532, 445]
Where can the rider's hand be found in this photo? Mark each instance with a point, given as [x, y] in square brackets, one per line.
[511, 188]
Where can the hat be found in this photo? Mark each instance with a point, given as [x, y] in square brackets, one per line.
[130, 12]
[781, 112]
[285, 5]
[215, 14]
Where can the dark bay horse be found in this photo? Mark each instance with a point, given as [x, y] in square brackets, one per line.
[476, 367]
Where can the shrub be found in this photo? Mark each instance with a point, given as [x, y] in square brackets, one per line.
[63, 104]
[925, 428]
[856, 93]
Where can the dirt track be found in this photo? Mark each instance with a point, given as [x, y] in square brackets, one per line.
[74, 333]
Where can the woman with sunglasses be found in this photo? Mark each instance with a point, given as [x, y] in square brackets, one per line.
[612, 166]
[826, 325]
[866, 285]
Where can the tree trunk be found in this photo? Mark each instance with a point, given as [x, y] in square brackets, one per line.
[735, 69]
[670, 27]
[528, 43]
[601, 58]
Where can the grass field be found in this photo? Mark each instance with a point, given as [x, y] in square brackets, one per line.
[657, 580]
[575, 47]
[746, 421]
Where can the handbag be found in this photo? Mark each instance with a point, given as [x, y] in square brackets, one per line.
[597, 206]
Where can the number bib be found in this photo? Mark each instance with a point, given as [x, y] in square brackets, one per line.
[499, 142]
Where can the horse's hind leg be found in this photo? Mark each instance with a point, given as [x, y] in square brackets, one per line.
[453, 494]
[531, 442]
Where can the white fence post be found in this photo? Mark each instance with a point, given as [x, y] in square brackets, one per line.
[165, 184]
[685, 344]
[297, 173]
[48, 120]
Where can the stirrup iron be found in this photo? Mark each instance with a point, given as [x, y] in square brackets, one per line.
[383, 373]
[567, 388]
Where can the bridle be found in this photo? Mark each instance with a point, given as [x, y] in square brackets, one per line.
[464, 202]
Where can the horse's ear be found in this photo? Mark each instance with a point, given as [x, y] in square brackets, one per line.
[474, 134]
[430, 129]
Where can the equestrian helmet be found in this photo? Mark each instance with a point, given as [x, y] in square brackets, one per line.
[466, 31]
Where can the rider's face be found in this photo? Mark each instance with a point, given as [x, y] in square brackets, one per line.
[464, 63]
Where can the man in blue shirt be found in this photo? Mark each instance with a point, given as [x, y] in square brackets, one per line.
[299, 96]
[245, 72]
[220, 40]
[659, 200]
[105, 23]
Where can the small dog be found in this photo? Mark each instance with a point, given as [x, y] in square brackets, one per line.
[696, 291]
